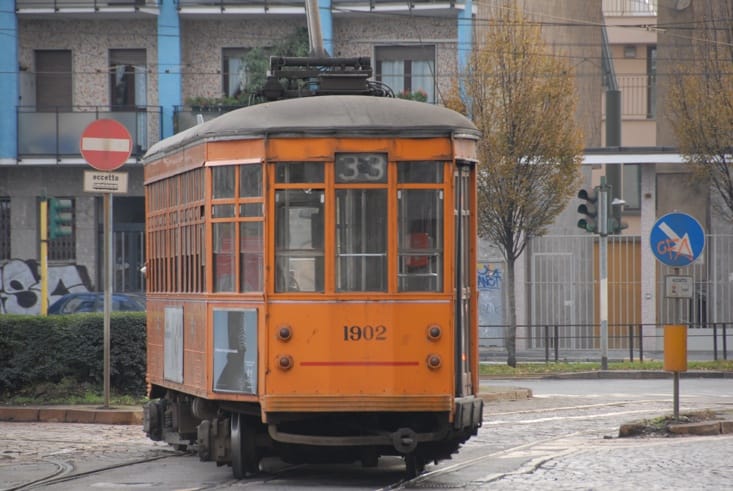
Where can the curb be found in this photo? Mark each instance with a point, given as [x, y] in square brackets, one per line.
[490, 394]
[72, 414]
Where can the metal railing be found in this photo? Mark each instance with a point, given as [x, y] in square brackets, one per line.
[223, 5]
[56, 132]
[81, 4]
[629, 342]
[622, 8]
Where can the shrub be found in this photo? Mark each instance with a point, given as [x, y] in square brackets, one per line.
[37, 350]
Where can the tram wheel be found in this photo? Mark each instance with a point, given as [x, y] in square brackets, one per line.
[245, 460]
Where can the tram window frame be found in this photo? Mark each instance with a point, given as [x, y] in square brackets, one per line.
[300, 206]
[421, 235]
[237, 210]
[361, 222]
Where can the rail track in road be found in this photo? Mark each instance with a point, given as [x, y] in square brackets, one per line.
[520, 444]
[522, 437]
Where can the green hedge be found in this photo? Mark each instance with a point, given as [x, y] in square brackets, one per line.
[36, 350]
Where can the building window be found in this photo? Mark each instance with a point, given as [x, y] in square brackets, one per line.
[128, 83]
[407, 69]
[651, 72]
[234, 70]
[631, 186]
[53, 79]
[4, 228]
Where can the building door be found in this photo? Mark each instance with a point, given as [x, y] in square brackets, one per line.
[128, 244]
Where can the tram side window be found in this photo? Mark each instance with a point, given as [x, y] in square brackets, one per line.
[224, 257]
[251, 261]
[299, 240]
[421, 228]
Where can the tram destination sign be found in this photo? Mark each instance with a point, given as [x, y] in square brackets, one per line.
[105, 182]
[677, 239]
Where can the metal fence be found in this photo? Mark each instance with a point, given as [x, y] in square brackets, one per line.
[560, 287]
[626, 342]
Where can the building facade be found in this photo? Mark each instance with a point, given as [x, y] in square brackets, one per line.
[159, 66]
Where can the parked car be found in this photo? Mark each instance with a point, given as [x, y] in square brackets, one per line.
[75, 303]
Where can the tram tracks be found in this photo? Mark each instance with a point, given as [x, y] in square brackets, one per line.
[65, 472]
[558, 432]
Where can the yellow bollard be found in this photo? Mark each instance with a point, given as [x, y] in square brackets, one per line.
[675, 358]
[675, 348]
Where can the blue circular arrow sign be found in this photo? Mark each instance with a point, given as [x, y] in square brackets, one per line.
[677, 239]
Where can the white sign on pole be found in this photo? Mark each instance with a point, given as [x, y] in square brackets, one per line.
[678, 286]
[105, 182]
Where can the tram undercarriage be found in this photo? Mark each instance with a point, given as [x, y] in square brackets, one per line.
[233, 434]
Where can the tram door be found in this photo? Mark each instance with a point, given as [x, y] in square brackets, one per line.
[463, 320]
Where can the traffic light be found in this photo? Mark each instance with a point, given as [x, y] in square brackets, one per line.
[615, 225]
[589, 209]
[60, 217]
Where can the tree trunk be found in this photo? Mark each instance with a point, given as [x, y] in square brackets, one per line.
[510, 334]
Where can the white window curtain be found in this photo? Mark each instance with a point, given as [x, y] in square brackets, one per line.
[236, 76]
[422, 78]
[393, 74]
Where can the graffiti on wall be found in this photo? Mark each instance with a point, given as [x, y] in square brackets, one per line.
[20, 284]
[490, 302]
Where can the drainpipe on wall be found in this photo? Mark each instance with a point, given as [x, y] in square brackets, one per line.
[169, 65]
[9, 82]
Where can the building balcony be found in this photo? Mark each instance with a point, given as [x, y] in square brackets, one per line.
[82, 7]
[638, 96]
[298, 6]
[185, 117]
[52, 136]
[630, 8]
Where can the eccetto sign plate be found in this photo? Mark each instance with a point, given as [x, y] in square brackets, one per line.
[105, 182]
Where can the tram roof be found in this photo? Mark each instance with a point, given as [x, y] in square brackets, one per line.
[337, 115]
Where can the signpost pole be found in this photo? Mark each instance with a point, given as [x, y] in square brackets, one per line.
[106, 144]
[107, 293]
[677, 240]
[603, 267]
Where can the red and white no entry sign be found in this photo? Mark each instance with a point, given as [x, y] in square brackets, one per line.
[106, 144]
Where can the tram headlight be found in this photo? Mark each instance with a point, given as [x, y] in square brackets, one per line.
[434, 332]
[433, 361]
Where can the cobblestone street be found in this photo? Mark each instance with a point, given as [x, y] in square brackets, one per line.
[554, 440]
[51, 449]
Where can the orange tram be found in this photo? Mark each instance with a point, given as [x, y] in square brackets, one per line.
[311, 284]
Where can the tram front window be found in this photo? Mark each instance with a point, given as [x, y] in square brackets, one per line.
[299, 240]
[361, 240]
[420, 240]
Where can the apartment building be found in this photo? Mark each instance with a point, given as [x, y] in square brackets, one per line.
[145, 63]
[150, 63]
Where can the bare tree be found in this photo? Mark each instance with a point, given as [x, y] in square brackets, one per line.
[700, 102]
[523, 99]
